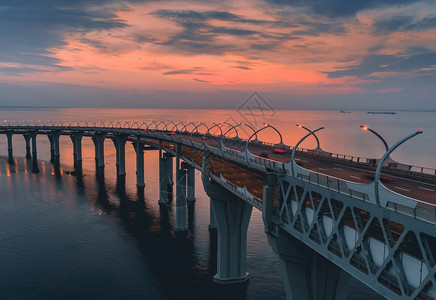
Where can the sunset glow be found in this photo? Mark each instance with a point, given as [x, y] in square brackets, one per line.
[327, 53]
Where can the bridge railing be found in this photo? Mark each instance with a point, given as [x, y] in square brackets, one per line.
[414, 208]
[418, 170]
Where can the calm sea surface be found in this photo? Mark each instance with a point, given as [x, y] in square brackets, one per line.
[69, 237]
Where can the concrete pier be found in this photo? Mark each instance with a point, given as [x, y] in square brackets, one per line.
[306, 274]
[27, 140]
[9, 135]
[35, 168]
[76, 138]
[165, 177]
[181, 219]
[190, 189]
[54, 147]
[120, 147]
[232, 217]
[139, 149]
[98, 140]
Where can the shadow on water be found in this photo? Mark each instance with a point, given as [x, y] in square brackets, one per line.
[172, 254]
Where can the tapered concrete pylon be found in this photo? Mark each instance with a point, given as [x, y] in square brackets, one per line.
[190, 188]
[139, 149]
[120, 147]
[76, 138]
[98, 140]
[232, 217]
[35, 168]
[165, 177]
[10, 149]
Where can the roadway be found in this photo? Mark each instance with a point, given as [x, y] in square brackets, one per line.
[398, 183]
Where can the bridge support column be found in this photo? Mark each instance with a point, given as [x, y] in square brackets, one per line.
[98, 140]
[139, 148]
[181, 221]
[10, 149]
[76, 138]
[232, 217]
[165, 177]
[54, 147]
[120, 147]
[35, 168]
[191, 184]
[307, 275]
[27, 139]
[212, 221]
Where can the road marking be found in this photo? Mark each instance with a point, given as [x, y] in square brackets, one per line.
[355, 177]
[423, 188]
[339, 169]
[399, 188]
[322, 169]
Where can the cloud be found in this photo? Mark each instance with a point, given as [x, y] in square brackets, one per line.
[195, 70]
[29, 29]
[404, 23]
[199, 80]
[374, 63]
[338, 8]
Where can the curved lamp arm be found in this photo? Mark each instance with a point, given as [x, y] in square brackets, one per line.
[254, 131]
[314, 135]
[195, 129]
[380, 163]
[255, 134]
[232, 127]
[152, 123]
[169, 122]
[184, 127]
[296, 146]
[214, 125]
[280, 135]
[364, 127]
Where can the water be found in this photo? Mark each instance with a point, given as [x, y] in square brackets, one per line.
[81, 237]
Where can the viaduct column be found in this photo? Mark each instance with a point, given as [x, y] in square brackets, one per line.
[191, 184]
[10, 149]
[120, 147]
[232, 217]
[98, 140]
[35, 169]
[181, 220]
[307, 275]
[165, 177]
[27, 139]
[76, 138]
[139, 148]
[54, 147]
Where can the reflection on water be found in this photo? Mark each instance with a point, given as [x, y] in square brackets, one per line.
[93, 237]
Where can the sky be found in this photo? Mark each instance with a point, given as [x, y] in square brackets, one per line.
[297, 54]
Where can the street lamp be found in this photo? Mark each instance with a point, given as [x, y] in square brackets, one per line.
[296, 146]
[314, 135]
[366, 128]
[380, 163]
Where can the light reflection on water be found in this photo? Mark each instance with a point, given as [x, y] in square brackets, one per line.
[84, 237]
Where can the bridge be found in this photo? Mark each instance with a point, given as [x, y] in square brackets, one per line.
[327, 216]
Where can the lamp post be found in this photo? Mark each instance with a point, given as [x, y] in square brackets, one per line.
[314, 135]
[386, 155]
[366, 128]
[255, 134]
[296, 146]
